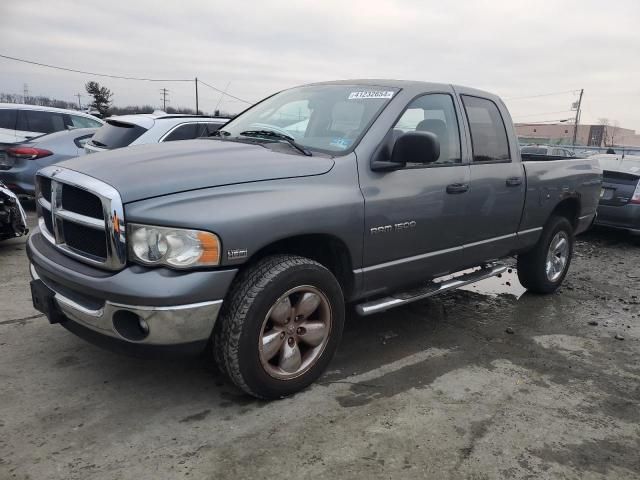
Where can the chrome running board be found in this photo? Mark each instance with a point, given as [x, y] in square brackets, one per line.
[435, 287]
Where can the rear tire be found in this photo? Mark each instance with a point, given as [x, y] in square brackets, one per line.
[543, 269]
[280, 326]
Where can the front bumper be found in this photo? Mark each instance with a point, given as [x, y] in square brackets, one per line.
[626, 217]
[176, 308]
[166, 325]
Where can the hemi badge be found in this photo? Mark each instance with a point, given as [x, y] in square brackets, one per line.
[237, 253]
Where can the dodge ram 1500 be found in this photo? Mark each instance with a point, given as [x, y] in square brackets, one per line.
[374, 193]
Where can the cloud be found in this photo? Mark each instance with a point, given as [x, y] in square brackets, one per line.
[513, 48]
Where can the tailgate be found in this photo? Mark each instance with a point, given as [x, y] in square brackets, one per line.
[617, 187]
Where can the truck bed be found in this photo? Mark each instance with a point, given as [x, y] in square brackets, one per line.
[551, 180]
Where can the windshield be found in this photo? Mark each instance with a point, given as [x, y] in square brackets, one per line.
[328, 118]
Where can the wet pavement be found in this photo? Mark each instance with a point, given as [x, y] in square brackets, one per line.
[481, 383]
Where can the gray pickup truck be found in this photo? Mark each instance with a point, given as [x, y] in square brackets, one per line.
[247, 245]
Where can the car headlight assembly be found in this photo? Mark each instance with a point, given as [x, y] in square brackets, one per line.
[173, 247]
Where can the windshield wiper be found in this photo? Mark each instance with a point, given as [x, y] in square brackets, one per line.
[280, 136]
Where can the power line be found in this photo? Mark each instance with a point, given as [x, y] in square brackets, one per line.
[541, 95]
[224, 93]
[222, 96]
[95, 74]
[122, 77]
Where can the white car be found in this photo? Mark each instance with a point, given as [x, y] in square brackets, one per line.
[125, 130]
[19, 122]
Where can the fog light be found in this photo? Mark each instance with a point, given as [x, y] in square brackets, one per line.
[130, 326]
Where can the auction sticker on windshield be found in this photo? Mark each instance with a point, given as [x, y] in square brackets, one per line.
[367, 94]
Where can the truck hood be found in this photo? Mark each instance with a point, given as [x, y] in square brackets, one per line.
[146, 171]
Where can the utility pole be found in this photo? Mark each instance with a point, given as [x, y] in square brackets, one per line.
[164, 93]
[196, 95]
[575, 124]
[79, 104]
[25, 93]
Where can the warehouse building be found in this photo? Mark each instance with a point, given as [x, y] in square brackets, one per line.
[588, 135]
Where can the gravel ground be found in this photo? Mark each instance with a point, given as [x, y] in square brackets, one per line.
[438, 389]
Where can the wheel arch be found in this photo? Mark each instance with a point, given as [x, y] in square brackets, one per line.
[568, 208]
[328, 250]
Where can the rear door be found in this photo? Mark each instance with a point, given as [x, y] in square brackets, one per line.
[32, 123]
[497, 186]
[184, 131]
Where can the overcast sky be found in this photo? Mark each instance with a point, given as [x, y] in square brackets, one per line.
[511, 47]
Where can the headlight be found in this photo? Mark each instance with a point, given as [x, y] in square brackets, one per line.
[173, 247]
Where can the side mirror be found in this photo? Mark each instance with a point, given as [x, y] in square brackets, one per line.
[416, 147]
[410, 147]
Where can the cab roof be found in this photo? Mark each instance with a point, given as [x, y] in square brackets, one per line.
[407, 85]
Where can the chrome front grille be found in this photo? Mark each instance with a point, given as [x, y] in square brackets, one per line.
[81, 216]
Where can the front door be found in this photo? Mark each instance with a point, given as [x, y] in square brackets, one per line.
[415, 216]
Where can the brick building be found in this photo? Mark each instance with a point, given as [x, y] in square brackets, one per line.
[590, 135]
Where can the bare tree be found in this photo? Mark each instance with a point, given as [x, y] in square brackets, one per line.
[604, 122]
[614, 129]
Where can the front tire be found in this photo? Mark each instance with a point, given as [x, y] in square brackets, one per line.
[543, 269]
[280, 326]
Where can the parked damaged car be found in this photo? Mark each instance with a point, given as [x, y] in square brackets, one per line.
[13, 220]
[619, 205]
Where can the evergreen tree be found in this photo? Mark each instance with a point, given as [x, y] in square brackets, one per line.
[101, 97]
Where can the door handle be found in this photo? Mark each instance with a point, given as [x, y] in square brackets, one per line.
[457, 188]
[514, 181]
